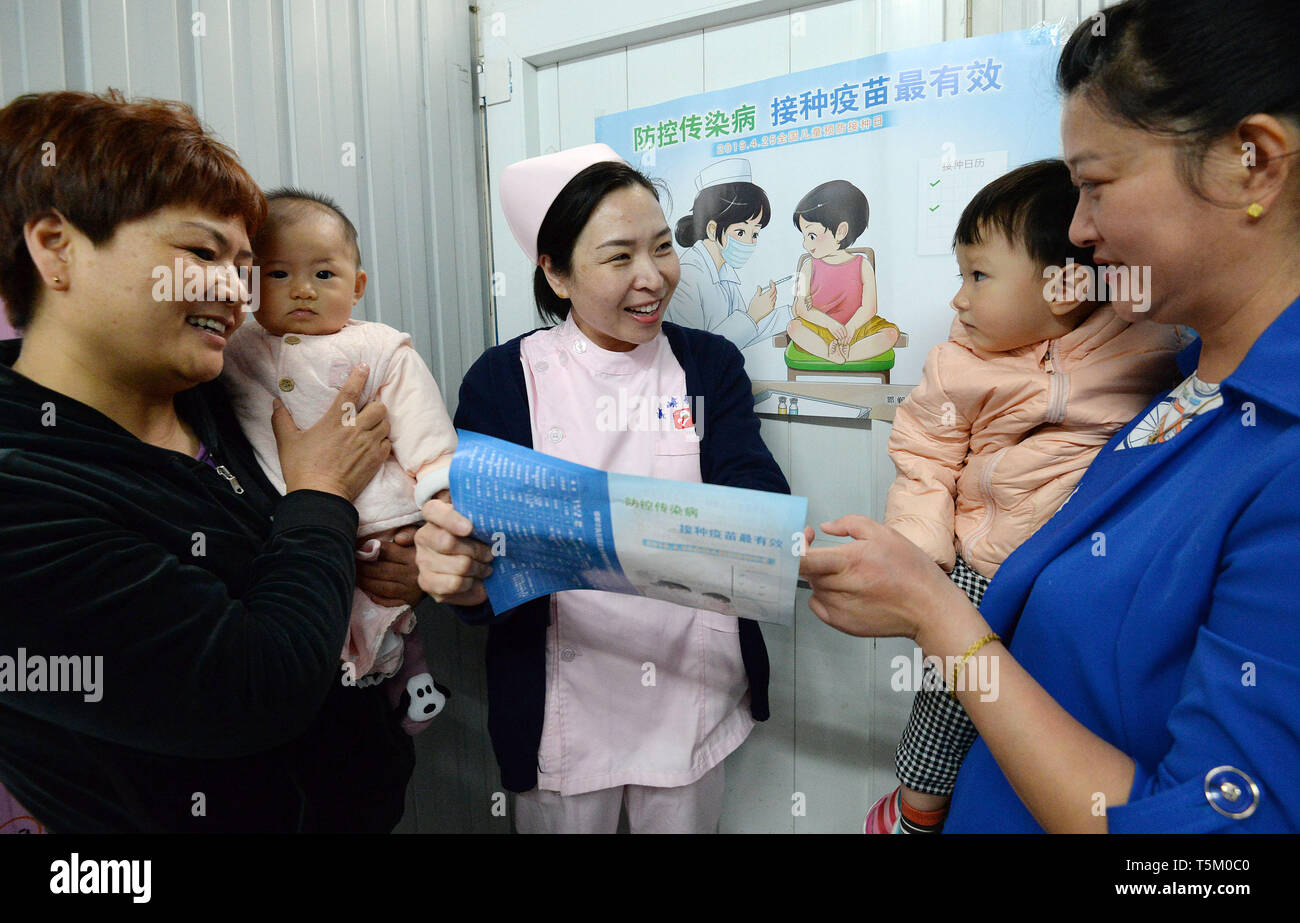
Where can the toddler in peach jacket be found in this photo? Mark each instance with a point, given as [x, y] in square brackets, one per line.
[990, 445]
[1036, 376]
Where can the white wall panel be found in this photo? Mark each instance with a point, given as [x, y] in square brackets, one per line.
[108, 49]
[906, 23]
[832, 672]
[822, 35]
[834, 691]
[507, 142]
[308, 98]
[746, 51]
[832, 460]
[1020, 11]
[261, 132]
[214, 70]
[954, 19]
[666, 69]
[12, 50]
[548, 109]
[589, 88]
[387, 152]
[153, 47]
[761, 774]
[546, 31]
[43, 66]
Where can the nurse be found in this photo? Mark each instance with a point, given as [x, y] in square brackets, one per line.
[721, 232]
[578, 732]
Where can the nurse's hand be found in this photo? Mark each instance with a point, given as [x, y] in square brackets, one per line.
[763, 302]
[452, 565]
[879, 586]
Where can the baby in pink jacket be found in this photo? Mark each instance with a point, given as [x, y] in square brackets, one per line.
[301, 350]
[1035, 378]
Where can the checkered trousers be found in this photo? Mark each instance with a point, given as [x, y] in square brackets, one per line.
[939, 734]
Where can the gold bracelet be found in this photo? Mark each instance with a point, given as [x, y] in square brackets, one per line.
[970, 652]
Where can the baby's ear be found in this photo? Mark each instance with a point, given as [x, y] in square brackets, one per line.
[1066, 287]
[359, 286]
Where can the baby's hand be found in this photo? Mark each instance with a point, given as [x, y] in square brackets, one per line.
[387, 535]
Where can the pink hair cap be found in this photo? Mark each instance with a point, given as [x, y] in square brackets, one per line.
[529, 187]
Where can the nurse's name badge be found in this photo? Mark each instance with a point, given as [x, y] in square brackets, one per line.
[677, 409]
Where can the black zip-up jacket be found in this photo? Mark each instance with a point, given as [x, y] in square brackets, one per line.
[219, 609]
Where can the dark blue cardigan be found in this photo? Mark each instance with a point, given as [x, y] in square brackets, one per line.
[494, 402]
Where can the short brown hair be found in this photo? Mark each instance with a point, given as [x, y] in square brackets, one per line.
[101, 160]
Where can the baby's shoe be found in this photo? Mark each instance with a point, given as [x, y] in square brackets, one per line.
[883, 815]
[412, 693]
[891, 814]
[424, 700]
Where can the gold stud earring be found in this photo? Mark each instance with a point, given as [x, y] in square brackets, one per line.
[57, 280]
[1255, 210]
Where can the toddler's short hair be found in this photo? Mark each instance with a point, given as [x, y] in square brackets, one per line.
[288, 204]
[1033, 206]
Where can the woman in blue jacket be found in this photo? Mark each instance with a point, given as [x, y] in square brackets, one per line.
[1146, 641]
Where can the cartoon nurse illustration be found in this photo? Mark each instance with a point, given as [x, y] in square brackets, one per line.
[721, 232]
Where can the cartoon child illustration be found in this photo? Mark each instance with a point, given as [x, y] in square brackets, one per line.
[835, 294]
[721, 232]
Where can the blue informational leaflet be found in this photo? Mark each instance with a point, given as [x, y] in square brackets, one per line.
[554, 525]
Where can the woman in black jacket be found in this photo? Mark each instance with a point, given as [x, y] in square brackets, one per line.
[139, 540]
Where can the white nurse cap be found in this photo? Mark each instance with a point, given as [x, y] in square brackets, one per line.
[732, 170]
